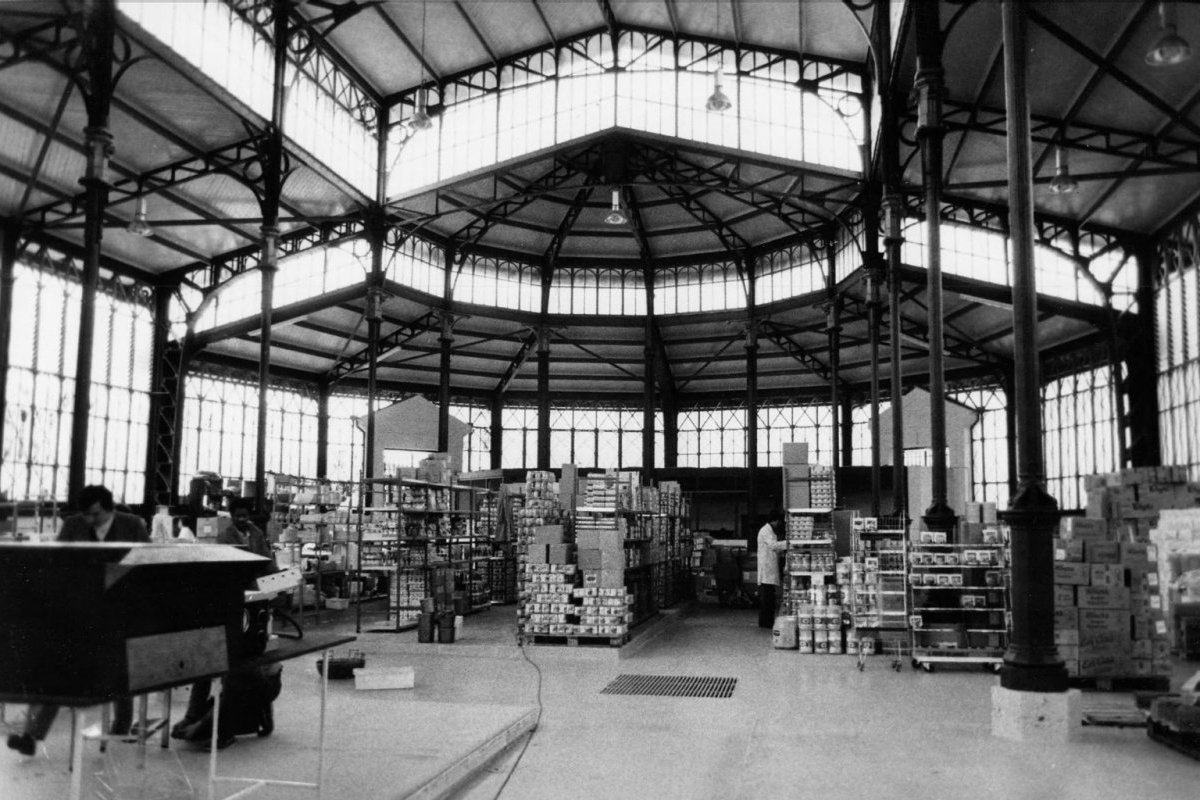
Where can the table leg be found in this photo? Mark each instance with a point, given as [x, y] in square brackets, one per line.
[77, 725]
[321, 726]
[143, 721]
[218, 687]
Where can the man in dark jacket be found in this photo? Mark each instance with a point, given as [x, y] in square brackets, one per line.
[97, 521]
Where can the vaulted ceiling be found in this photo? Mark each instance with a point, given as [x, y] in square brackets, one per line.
[1131, 130]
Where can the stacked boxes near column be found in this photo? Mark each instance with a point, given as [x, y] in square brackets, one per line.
[1109, 601]
[1177, 537]
[539, 529]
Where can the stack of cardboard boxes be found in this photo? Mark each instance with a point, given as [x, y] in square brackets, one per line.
[1107, 613]
[979, 524]
[538, 528]
[600, 537]
[548, 600]
[1177, 536]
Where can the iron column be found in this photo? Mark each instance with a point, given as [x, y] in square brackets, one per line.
[1031, 662]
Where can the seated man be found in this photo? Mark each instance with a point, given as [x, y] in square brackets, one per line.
[98, 521]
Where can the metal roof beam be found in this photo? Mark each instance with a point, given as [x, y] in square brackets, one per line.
[1087, 137]
[1141, 92]
[279, 316]
[517, 363]
[405, 333]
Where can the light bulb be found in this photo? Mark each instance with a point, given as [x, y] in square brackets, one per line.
[139, 225]
[420, 119]
[615, 215]
[1062, 183]
[718, 101]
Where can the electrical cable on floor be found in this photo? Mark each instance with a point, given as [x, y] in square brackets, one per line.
[536, 722]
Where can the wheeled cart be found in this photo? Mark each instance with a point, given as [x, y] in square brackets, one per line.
[958, 602]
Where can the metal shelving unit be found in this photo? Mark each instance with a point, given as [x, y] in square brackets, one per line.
[959, 603]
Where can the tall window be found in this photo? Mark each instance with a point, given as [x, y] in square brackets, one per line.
[599, 436]
[643, 82]
[1178, 319]
[41, 388]
[477, 444]
[345, 454]
[519, 440]
[712, 437]
[860, 434]
[1079, 433]
[989, 445]
[808, 424]
[220, 429]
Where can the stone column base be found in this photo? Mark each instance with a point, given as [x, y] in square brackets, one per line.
[1036, 716]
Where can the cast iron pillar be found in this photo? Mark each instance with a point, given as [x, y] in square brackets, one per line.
[446, 340]
[833, 325]
[752, 420]
[650, 360]
[162, 401]
[939, 516]
[893, 239]
[847, 430]
[1116, 359]
[874, 306]
[9, 232]
[268, 267]
[1142, 362]
[96, 24]
[1031, 662]
[543, 399]
[271, 157]
[323, 390]
[497, 448]
[374, 322]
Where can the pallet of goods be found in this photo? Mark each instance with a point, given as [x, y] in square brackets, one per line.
[1111, 621]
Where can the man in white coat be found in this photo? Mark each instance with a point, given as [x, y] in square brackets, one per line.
[769, 547]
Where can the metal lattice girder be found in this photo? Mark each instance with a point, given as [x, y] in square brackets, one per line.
[1075, 135]
[662, 367]
[782, 338]
[230, 265]
[228, 160]
[517, 363]
[499, 208]
[430, 321]
[44, 43]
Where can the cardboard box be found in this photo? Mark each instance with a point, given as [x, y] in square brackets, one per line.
[1064, 595]
[990, 513]
[547, 534]
[560, 554]
[795, 453]
[1096, 620]
[610, 541]
[1069, 572]
[1066, 637]
[1102, 597]
[1066, 618]
[973, 513]
[604, 578]
[1084, 529]
[1107, 575]
[1068, 550]
[1102, 552]
[538, 554]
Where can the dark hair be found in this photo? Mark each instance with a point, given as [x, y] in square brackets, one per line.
[90, 495]
[241, 504]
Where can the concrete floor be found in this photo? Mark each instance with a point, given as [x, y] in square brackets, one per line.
[797, 726]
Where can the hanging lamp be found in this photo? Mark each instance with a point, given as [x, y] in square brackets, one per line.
[140, 225]
[420, 120]
[1062, 183]
[718, 101]
[616, 216]
[1170, 48]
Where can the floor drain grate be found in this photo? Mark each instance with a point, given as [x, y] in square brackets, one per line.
[671, 686]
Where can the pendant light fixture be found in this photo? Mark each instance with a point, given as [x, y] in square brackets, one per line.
[420, 120]
[140, 225]
[718, 101]
[1170, 48]
[1062, 183]
[616, 216]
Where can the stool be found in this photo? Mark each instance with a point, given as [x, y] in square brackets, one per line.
[141, 730]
